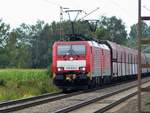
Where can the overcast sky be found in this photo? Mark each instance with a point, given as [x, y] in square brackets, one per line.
[15, 12]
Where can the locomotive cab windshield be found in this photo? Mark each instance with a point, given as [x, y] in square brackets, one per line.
[71, 57]
[71, 49]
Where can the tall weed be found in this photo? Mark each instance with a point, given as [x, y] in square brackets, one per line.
[22, 83]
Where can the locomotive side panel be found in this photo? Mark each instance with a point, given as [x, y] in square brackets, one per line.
[96, 61]
[101, 64]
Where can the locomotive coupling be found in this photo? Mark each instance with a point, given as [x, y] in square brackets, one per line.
[71, 77]
[68, 78]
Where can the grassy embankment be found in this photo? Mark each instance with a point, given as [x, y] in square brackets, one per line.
[22, 83]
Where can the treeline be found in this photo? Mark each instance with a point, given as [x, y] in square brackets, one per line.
[30, 46]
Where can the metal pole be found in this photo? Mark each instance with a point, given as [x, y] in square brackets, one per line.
[61, 18]
[61, 14]
[139, 55]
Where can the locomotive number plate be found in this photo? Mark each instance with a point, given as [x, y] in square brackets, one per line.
[71, 68]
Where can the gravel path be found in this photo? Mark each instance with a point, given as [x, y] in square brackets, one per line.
[53, 106]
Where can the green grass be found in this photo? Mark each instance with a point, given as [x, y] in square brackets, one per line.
[147, 104]
[22, 83]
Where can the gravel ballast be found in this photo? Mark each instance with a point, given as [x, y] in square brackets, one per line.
[130, 106]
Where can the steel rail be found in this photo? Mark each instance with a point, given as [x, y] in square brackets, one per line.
[19, 104]
[29, 102]
[93, 100]
[13, 105]
[18, 101]
[106, 108]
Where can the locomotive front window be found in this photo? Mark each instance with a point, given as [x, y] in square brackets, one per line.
[71, 49]
[78, 49]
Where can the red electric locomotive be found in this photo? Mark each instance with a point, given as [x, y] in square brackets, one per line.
[79, 64]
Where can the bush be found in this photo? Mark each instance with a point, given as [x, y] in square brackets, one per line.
[49, 71]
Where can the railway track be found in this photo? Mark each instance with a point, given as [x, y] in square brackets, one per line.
[19, 104]
[103, 103]
[16, 105]
[32, 101]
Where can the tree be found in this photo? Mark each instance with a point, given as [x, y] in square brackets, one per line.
[112, 29]
[30, 46]
[145, 31]
[133, 36]
[102, 33]
[4, 31]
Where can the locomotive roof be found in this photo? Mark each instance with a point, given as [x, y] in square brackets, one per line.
[91, 43]
[95, 44]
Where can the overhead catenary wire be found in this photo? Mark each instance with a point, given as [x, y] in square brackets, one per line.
[146, 8]
[122, 9]
[87, 14]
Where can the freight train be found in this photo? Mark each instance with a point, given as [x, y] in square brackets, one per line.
[78, 64]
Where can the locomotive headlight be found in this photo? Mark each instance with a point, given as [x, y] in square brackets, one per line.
[82, 68]
[60, 68]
